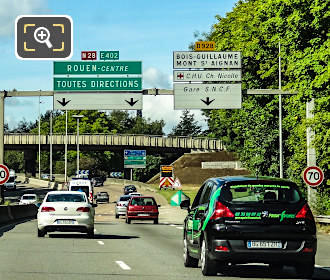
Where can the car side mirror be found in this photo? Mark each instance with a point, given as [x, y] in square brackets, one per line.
[94, 205]
[159, 206]
[185, 204]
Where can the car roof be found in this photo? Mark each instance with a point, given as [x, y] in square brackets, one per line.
[65, 192]
[29, 194]
[262, 179]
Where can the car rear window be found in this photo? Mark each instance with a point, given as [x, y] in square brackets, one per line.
[65, 198]
[259, 193]
[28, 197]
[143, 201]
[125, 198]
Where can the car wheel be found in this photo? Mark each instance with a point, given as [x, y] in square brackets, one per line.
[305, 269]
[117, 216]
[90, 233]
[187, 260]
[156, 221]
[128, 221]
[41, 233]
[208, 266]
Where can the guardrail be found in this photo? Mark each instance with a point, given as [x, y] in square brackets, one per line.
[13, 213]
[323, 219]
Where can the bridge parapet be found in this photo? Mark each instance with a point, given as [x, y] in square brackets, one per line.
[198, 143]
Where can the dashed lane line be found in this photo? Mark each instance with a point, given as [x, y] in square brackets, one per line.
[123, 265]
[179, 227]
[100, 242]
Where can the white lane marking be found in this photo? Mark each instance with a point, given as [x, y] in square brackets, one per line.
[320, 266]
[100, 242]
[95, 230]
[172, 225]
[179, 227]
[123, 265]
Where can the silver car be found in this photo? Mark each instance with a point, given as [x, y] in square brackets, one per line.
[121, 205]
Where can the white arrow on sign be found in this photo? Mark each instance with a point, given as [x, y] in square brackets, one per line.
[97, 101]
[207, 96]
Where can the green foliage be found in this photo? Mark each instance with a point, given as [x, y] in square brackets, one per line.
[255, 28]
[152, 168]
[14, 160]
[187, 126]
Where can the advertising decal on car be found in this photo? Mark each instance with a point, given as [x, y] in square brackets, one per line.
[264, 214]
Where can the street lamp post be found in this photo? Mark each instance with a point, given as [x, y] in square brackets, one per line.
[78, 117]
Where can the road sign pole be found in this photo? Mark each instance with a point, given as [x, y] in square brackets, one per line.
[131, 174]
[39, 146]
[51, 146]
[2, 126]
[280, 109]
[66, 147]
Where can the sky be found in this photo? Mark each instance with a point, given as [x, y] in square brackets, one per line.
[144, 30]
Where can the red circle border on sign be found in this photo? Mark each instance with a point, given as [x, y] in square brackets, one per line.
[7, 171]
[319, 182]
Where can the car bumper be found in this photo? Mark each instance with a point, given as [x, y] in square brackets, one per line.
[121, 210]
[50, 223]
[102, 200]
[143, 216]
[291, 253]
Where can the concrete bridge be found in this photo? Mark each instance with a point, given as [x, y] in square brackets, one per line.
[106, 142]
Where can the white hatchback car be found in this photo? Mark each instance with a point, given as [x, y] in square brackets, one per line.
[68, 211]
[28, 198]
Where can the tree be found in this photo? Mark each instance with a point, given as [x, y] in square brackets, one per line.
[187, 126]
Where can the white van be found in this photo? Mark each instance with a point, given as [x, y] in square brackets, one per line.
[11, 183]
[81, 184]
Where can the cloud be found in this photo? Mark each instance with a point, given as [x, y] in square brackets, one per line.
[153, 78]
[161, 107]
[10, 9]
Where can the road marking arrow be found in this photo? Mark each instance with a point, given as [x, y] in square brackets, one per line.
[63, 102]
[208, 101]
[131, 102]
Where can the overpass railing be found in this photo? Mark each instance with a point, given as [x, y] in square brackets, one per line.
[118, 140]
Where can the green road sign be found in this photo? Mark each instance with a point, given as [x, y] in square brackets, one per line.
[97, 67]
[178, 197]
[97, 84]
[135, 158]
[109, 55]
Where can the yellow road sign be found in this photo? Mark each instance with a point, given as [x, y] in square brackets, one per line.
[205, 46]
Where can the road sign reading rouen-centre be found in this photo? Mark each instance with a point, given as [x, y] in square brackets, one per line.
[88, 55]
[135, 158]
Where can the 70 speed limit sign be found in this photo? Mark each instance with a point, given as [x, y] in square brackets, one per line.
[313, 176]
[4, 174]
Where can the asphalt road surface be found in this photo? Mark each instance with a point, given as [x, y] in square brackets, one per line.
[140, 250]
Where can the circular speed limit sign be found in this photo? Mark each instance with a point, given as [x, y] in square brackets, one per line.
[313, 176]
[4, 174]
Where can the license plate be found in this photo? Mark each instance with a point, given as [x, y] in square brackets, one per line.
[264, 244]
[143, 214]
[65, 222]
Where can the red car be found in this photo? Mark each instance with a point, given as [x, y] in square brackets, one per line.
[142, 208]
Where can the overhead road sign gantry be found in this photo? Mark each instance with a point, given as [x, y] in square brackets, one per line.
[207, 76]
[188, 59]
[97, 67]
[207, 96]
[97, 84]
[100, 101]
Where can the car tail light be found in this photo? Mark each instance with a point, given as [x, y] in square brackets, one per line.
[83, 209]
[308, 250]
[221, 211]
[222, 248]
[47, 209]
[305, 213]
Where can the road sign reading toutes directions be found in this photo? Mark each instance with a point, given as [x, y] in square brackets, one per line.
[99, 101]
[4, 174]
[187, 60]
[313, 176]
[207, 76]
[207, 96]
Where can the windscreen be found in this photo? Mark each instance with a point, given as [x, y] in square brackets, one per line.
[259, 193]
[84, 189]
[66, 198]
[11, 180]
[28, 197]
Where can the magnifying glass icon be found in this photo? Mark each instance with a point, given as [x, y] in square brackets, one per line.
[41, 35]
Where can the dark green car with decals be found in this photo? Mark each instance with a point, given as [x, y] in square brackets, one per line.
[235, 220]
